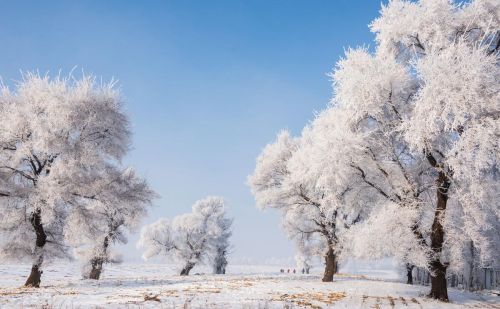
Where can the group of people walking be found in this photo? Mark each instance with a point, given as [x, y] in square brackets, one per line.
[293, 271]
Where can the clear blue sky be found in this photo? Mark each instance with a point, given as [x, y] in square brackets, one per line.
[207, 85]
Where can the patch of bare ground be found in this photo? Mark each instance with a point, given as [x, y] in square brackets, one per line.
[392, 301]
[145, 298]
[308, 300]
[200, 289]
[235, 283]
[239, 283]
[152, 297]
[16, 291]
[170, 293]
[403, 301]
[342, 275]
[27, 290]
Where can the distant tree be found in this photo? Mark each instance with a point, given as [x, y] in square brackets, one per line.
[193, 237]
[213, 210]
[191, 241]
[116, 201]
[52, 131]
[212, 215]
[307, 249]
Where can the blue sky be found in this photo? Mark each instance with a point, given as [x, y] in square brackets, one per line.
[207, 85]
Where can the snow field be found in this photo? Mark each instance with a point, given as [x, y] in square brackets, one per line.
[157, 286]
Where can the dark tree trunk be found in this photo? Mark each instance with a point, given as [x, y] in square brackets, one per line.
[95, 272]
[439, 288]
[97, 262]
[409, 274]
[220, 269]
[330, 266]
[220, 263]
[34, 278]
[185, 271]
[471, 267]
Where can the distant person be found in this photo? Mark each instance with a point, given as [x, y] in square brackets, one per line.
[288, 271]
[294, 270]
[303, 271]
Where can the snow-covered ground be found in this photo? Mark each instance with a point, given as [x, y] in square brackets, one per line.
[129, 285]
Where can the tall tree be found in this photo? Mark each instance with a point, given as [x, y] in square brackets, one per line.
[375, 94]
[51, 130]
[453, 52]
[431, 89]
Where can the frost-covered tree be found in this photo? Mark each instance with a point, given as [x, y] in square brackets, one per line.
[212, 214]
[425, 111]
[286, 179]
[51, 132]
[220, 245]
[452, 50]
[192, 238]
[112, 203]
[174, 239]
[375, 94]
[191, 241]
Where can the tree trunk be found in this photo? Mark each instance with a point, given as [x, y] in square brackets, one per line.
[439, 288]
[95, 272]
[330, 266]
[409, 274]
[220, 263]
[219, 269]
[98, 261]
[471, 267]
[34, 278]
[185, 271]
